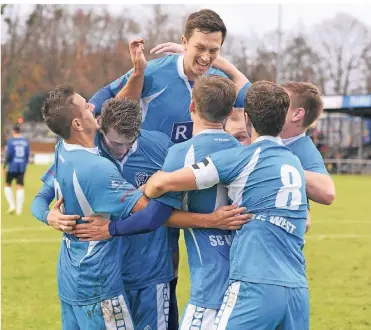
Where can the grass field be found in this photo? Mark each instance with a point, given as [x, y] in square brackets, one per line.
[338, 252]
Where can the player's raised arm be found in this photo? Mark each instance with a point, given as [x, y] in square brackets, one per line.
[134, 86]
[134, 78]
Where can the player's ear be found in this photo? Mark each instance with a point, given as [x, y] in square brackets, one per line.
[298, 114]
[231, 111]
[184, 42]
[76, 124]
[192, 106]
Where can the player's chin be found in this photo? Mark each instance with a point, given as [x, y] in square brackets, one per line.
[198, 70]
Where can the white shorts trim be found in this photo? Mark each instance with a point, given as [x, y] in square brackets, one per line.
[163, 305]
[199, 318]
[229, 301]
[116, 314]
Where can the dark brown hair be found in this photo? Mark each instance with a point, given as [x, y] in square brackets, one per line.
[123, 115]
[58, 110]
[206, 21]
[266, 105]
[214, 97]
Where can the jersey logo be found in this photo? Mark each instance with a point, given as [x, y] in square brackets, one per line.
[141, 178]
[181, 131]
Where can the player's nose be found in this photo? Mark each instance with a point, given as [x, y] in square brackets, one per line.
[91, 107]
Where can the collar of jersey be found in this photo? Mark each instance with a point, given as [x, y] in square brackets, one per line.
[128, 153]
[292, 139]
[72, 147]
[211, 131]
[180, 67]
[276, 139]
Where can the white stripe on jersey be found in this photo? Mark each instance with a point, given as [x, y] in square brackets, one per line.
[145, 101]
[236, 187]
[229, 301]
[197, 247]
[199, 318]
[163, 305]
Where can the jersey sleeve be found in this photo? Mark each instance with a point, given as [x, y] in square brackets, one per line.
[217, 72]
[48, 176]
[9, 152]
[108, 192]
[220, 167]
[315, 163]
[109, 91]
[171, 164]
[240, 101]
[309, 156]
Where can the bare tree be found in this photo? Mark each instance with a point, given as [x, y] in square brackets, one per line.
[341, 41]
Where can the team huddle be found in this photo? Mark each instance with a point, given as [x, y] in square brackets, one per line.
[183, 141]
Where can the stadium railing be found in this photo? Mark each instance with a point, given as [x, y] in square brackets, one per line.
[350, 166]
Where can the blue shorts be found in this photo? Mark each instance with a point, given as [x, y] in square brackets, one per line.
[150, 306]
[108, 314]
[252, 306]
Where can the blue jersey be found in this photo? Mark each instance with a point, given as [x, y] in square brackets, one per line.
[89, 272]
[208, 249]
[303, 147]
[166, 97]
[152, 249]
[17, 152]
[269, 181]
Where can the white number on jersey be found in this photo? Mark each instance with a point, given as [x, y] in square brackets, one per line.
[289, 187]
[19, 151]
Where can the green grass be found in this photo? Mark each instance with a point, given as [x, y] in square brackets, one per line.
[338, 252]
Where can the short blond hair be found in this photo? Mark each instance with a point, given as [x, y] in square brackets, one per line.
[307, 96]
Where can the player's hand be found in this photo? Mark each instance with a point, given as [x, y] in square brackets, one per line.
[229, 217]
[168, 48]
[95, 230]
[138, 59]
[60, 221]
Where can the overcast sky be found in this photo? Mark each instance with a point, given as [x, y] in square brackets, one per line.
[250, 18]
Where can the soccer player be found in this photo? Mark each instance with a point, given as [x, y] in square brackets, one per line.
[305, 108]
[168, 82]
[137, 160]
[268, 287]
[17, 152]
[208, 249]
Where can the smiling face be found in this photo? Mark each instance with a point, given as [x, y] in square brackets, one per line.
[200, 51]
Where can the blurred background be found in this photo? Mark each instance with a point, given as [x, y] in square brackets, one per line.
[87, 45]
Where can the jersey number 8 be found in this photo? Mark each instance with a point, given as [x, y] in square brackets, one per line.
[292, 184]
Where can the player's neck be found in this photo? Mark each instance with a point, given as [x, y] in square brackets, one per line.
[15, 136]
[292, 132]
[202, 125]
[254, 134]
[84, 140]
